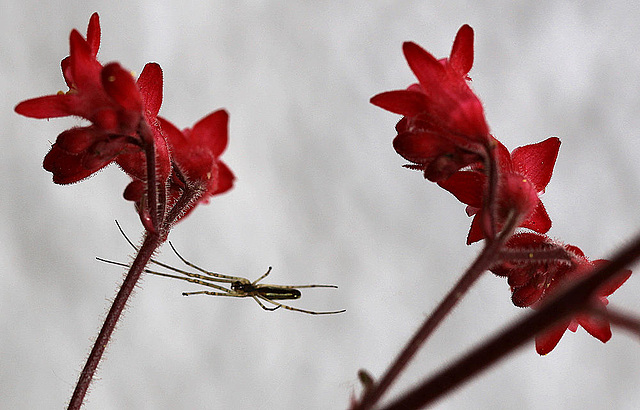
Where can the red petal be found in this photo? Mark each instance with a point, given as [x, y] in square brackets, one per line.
[83, 65]
[211, 132]
[225, 179]
[77, 140]
[150, 86]
[49, 106]
[466, 186]
[548, 340]
[134, 164]
[527, 295]
[403, 102]
[461, 58]
[93, 33]
[120, 85]
[614, 283]
[539, 220]
[503, 158]
[197, 164]
[103, 152]
[67, 168]
[475, 233]
[536, 161]
[134, 191]
[420, 148]
[427, 69]
[517, 276]
[596, 326]
[173, 135]
[67, 73]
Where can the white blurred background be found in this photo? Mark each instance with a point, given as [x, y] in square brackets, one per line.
[320, 195]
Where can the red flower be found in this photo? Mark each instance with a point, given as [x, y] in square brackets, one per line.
[536, 267]
[195, 154]
[107, 96]
[523, 175]
[532, 263]
[171, 170]
[443, 129]
[596, 325]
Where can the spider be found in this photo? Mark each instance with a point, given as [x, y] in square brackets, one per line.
[239, 287]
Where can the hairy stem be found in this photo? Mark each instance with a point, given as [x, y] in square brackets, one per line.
[155, 212]
[150, 244]
[490, 199]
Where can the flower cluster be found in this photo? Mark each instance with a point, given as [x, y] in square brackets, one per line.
[444, 134]
[171, 170]
[537, 266]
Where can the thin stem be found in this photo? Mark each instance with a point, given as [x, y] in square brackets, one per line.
[150, 244]
[155, 213]
[480, 265]
[576, 298]
[190, 194]
[491, 194]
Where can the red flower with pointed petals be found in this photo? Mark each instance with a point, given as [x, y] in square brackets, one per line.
[444, 128]
[532, 263]
[537, 266]
[107, 96]
[133, 162]
[596, 325]
[523, 175]
[195, 152]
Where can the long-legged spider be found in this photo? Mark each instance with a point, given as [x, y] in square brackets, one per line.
[239, 287]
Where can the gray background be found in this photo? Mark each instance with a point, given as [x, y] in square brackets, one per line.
[320, 195]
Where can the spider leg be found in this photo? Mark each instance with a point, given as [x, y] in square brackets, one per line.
[301, 286]
[192, 277]
[288, 286]
[206, 292]
[224, 278]
[219, 276]
[263, 306]
[311, 312]
[262, 277]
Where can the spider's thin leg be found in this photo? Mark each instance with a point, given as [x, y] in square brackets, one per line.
[302, 286]
[311, 312]
[164, 265]
[125, 235]
[192, 277]
[206, 292]
[263, 306]
[224, 278]
[262, 277]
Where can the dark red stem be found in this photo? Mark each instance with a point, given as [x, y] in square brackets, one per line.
[491, 193]
[191, 193]
[574, 299]
[154, 207]
[150, 244]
